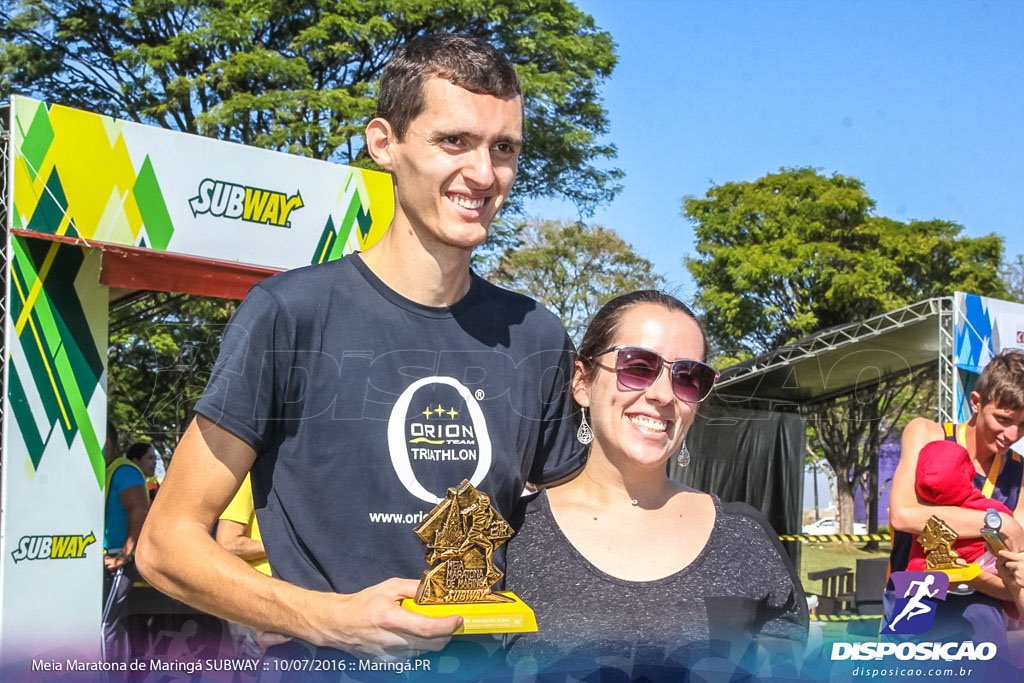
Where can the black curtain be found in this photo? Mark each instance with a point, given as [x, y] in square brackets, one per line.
[752, 456]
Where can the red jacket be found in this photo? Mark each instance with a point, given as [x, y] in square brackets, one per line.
[944, 476]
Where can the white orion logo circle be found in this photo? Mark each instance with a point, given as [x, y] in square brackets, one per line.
[434, 440]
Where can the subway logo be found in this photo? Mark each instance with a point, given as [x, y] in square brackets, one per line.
[52, 547]
[228, 200]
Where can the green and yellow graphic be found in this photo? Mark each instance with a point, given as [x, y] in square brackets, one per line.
[339, 239]
[74, 176]
[76, 182]
[103, 180]
[83, 175]
[58, 355]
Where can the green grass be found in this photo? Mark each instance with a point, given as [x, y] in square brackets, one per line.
[817, 556]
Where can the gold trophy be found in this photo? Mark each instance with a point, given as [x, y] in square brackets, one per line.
[937, 541]
[461, 534]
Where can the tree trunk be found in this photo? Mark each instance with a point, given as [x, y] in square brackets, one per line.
[872, 498]
[817, 509]
[849, 430]
[830, 476]
[844, 501]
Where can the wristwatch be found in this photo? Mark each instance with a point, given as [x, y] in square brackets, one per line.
[993, 520]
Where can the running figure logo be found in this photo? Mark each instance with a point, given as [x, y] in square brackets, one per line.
[915, 612]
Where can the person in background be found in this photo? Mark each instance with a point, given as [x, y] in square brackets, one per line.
[945, 474]
[144, 456]
[970, 611]
[238, 532]
[126, 505]
[1010, 566]
[624, 567]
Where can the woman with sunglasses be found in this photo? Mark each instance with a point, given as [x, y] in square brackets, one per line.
[623, 565]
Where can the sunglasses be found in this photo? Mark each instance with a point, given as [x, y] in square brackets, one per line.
[637, 368]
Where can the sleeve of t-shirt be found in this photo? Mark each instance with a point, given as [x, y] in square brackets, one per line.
[125, 477]
[559, 453]
[783, 611]
[250, 375]
[240, 509]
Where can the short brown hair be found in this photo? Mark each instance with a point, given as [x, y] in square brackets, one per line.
[1002, 380]
[465, 61]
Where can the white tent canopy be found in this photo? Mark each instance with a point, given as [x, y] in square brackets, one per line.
[834, 362]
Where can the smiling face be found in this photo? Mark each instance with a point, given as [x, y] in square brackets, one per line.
[997, 427]
[455, 164]
[641, 427]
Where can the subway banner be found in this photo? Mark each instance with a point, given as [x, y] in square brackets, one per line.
[75, 182]
[101, 179]
[983, 327]
[55, 407]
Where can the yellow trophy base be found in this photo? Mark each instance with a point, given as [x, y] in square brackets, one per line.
[960, 574]
[483, 617]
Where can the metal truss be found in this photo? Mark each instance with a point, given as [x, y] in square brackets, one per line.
[767, 405]
[838, 337]
[6, 208]
[5, 181]
[947, 365]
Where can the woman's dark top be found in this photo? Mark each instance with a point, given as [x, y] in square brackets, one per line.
[740, 586]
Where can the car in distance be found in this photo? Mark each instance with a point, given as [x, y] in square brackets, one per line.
[827, 525]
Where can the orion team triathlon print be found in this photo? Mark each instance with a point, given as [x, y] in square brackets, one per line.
[437, 435]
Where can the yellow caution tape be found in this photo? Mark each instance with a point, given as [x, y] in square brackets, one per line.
[845, 617]
[833, 538]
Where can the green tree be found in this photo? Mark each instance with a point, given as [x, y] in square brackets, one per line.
[162, 347]
[300, 77]
[850, 429]
[796, 252]
[572, 269]
[502, 237]
[1013, 279]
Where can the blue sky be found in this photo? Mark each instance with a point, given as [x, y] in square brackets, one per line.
[923, 101]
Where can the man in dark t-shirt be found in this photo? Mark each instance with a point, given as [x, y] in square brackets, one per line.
[357, 391]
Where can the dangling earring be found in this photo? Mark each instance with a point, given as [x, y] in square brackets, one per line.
[584, 434]
[684, 456]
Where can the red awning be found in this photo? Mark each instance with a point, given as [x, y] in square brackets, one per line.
[136, 268]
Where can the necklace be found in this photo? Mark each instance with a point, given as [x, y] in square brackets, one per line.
[632, 501]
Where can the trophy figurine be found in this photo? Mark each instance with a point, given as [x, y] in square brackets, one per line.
[461, 534]
[937, 541]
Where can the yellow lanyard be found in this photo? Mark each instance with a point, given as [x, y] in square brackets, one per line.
[993, 471]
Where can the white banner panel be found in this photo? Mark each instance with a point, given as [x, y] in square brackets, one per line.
[984, 327]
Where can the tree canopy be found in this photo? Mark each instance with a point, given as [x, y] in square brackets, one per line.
[571, 268]
[1013, 279]
[796, 252]
[162, 347]
[300, 77]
